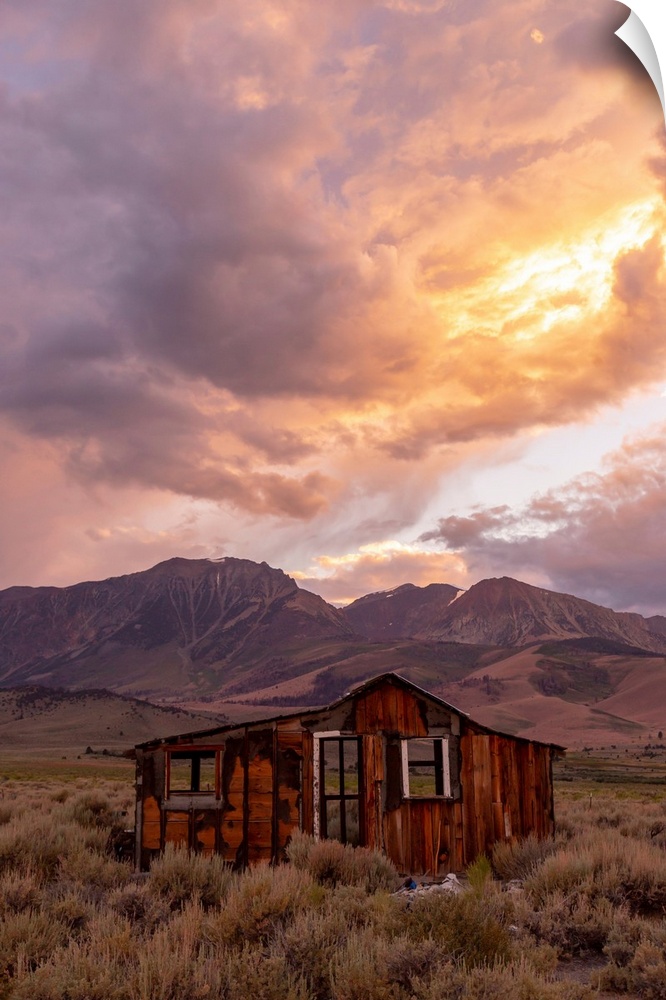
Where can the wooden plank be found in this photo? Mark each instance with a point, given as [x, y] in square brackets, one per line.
[177, 828]
[260, 777]
[151, 830]
[530, 788]
[468, 807]
[231, 839]
[360, 720]
[511, 789]
[259, 841]
[375, 711]
[391, 715]
[429, 861]
[205, 830]
[483, 793]
[496, 788]
[285, 726]
[307, 818]
[393, 843]
[233, 788]
[457, 859]
[411, 711]
[290, 741]
[289, 759]
[421, 717]
[445, 837]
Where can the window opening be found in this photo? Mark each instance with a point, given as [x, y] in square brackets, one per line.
[339, 788]
[425, 768]
[192, 771]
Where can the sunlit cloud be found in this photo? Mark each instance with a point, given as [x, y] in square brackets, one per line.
[293, 265]
[377, 567]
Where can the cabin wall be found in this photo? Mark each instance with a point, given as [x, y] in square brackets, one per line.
[501, 788]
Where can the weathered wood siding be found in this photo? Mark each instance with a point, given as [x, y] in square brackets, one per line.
[501, 787]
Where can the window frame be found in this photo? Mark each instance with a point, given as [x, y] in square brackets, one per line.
[442, 770]
[182, 753]
[320, 796]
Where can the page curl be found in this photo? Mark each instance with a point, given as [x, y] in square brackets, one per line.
[644, 32]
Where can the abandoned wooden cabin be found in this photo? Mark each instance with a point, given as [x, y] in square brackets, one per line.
[388, 766]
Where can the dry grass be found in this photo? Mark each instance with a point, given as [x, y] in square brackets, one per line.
[76, 924]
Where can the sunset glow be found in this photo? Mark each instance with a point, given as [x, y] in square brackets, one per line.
[334, 286]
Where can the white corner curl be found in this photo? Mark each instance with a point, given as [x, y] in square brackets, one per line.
[644, 32]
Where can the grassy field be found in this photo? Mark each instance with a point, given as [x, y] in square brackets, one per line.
[586, 918]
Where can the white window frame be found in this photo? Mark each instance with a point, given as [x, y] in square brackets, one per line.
[316, 778]
[446, 767]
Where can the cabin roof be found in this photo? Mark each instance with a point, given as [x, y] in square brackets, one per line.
[354, 692]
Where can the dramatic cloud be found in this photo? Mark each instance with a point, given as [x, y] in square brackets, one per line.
[293, 263]
[603, 536]
[381, 566]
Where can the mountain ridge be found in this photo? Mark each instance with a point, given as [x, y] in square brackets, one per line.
[192, 628]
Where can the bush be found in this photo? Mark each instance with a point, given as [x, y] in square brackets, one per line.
[181, 876]
[259, 903]
[90, 810]
[470, 927]
[518, 859]
[331, 863]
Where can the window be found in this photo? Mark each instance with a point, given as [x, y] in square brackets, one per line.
[192, 771]
[337, 770]
[425, 768]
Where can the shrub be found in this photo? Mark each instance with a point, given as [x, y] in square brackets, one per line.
[604, 864]
[479, 873]
[139, 905]
[259, 903]
[270, 978]
[28, 938]
[470, 927]
[573, 924]
[329, 862]
[18, 892]
[643, 976]
[91, 810]
[516, 982]
[518, 859]
[181, 876]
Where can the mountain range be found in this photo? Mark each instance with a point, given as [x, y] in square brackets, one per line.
[234, 635]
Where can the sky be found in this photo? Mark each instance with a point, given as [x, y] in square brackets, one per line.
[371, 290]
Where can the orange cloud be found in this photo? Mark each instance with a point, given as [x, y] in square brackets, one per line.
[380, 566]
[299, 261]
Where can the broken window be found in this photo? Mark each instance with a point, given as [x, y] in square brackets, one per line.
[192, 771]
[337, 769]
[425, 768]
